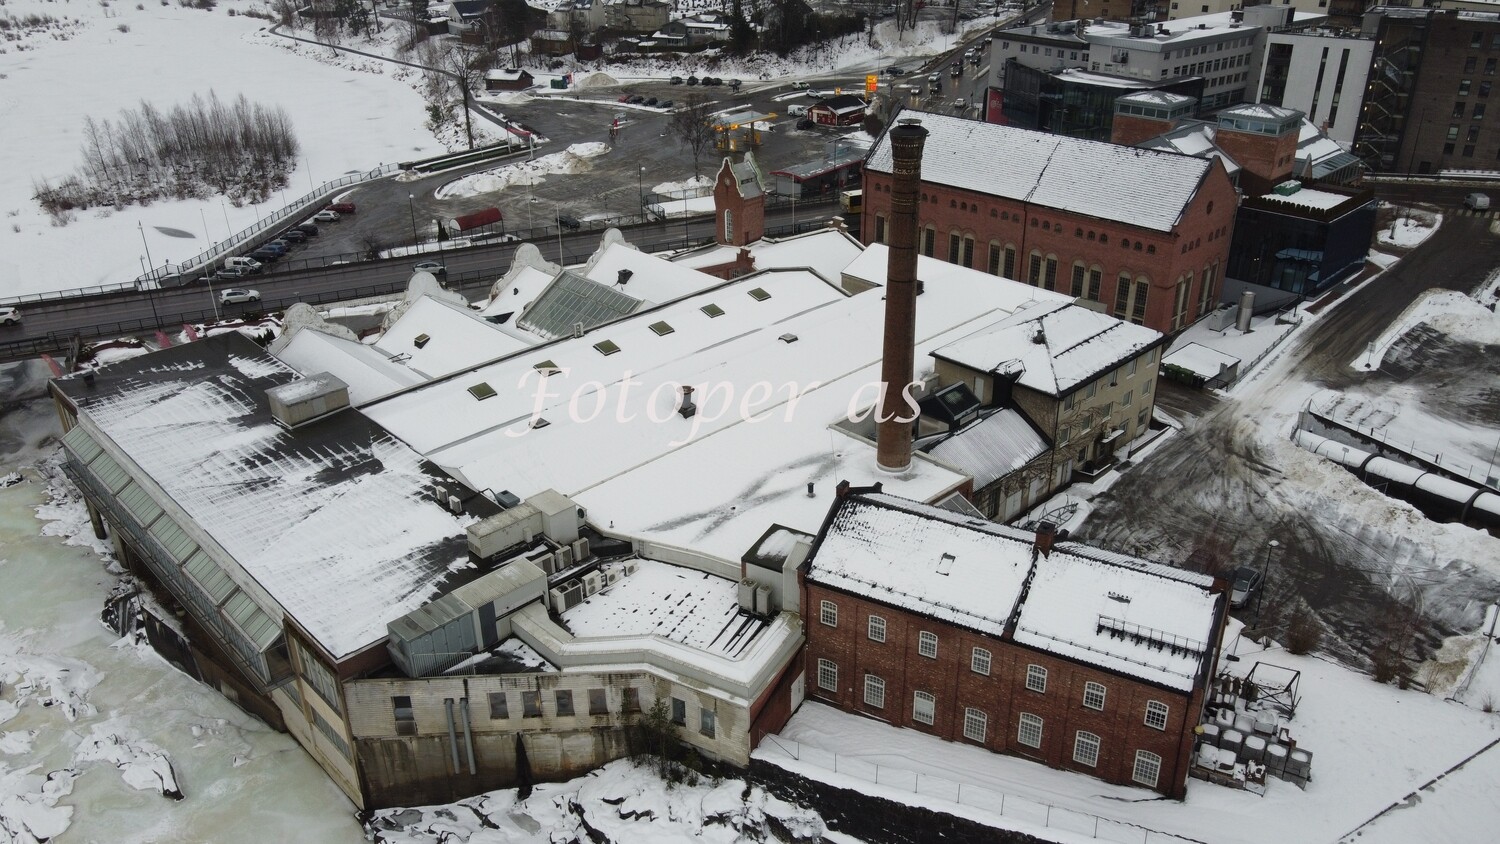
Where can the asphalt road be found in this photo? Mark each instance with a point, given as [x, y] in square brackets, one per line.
[1227, 501]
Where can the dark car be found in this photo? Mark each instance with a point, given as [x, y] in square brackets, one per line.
[692, 80]
[569, 222]
[805, 123]
[341, 207]
[309, 229]
[711, 80]
[293, 236]
[676, 80]
[650, 101]
[895, 70]
[265, 255]
[1245, 584]
[734, 84]
[956, 69]
[664, 104]
[637, 99]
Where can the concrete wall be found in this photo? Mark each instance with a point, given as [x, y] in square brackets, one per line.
[1002, 694]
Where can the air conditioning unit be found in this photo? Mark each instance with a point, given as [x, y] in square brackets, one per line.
[630, 568]
[592, 583]
[611, 577]
[747, 595]
[455, 505]
[566, 598]
[564, 557]
[581, 548]
[762, 600]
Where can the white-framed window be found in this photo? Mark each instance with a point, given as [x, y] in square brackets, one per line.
[1093, 695]
[979, 662]
[1030, 731]
[1086, 749]
[1130, 367]
[1147, 768]
[828, 675]
[923, 707]
[874, 691]
[877, 628]
[927, 644]
[1156, 715]
[1127, 398]
[976, 724]
[828, 613]
[1036, 678]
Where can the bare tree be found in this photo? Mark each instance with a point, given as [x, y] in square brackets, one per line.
[693, 125]
[465, 69]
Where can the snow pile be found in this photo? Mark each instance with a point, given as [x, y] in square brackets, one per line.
[619, 803]
[1406, 232]
[143, 766]
[1447, 311]
[54, 682]
[598, 79]
[574, 159]
[28, 804]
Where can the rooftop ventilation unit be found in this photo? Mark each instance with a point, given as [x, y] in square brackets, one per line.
[308, 399]
[420, 340]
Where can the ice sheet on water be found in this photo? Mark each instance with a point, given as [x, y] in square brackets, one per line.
[143, 765]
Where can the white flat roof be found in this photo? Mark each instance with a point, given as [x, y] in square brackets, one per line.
[369, 372]
[456, 338]
[652, 279]
[825, 252]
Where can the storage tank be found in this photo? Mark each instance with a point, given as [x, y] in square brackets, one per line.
[1247, 310]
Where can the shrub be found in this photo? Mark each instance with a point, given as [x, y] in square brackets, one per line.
[1303, 632]
[123, 28]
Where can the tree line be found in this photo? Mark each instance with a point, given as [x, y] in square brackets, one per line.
[240, 149]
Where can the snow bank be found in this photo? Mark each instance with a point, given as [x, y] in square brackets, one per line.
[1448, 311]
[1407, 232]
[575, 159]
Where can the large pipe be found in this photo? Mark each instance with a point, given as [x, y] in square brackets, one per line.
[894, 418]
[463, 706]
[1247, 310]
[452, 735]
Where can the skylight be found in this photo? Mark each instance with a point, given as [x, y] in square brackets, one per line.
[606, 347]
[759, 294]
[482, 391]
[712, 310]
[547, 367]
[662, 328]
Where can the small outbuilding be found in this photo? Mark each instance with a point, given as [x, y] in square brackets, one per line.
[842, 110]
[508, 79]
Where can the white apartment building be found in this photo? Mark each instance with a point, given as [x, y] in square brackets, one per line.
[1321, 73]
[1223, 49]
[1179, 9]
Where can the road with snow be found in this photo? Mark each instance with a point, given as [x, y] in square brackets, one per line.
[1236, 486]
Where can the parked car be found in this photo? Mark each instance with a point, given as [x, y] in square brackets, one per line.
[650, 101]
[234, 295]
[676, 80]
[805, 123]
[293, 236]
[1246, 583]
[895, 70]
[232, 272]
[624, 98]
[327, 215]
[278, 244]
[692, 80]
[800, 86]
[430, 267]
[309, 229]
[247, 264]
[960, 103]
[796, 110]
[712, 80]
[266, 256]
[637, 99]
[569, 222]
[10, 316]
[341, 207]
[1477, 202]
[664, 104]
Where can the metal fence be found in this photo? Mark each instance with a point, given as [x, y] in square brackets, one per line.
[1006, 805]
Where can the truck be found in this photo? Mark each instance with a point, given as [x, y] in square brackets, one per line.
[478, 219]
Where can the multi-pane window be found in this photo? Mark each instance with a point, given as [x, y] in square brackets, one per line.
[880, 228]
[679, 712]
[598, 702]
[1050, 282]
[927, 644]
[828, 613]
[630, 699]
[1078, 276]
[1034, 272]
[499, 708]
[1156, 715]
[1138, 307]
[994, 267]
[876, 630]
[874, 691]
[828, 675]
[1122, 295]
[1463, 87]
[968, 256]
[1030, 731]
[406, 717]
[1147, 768]
[923, 707]
[706, 722]
[929, 241]
[1127, 398]
[1096, 277]
[1093, 695]
[976, 724]
[1009, 270]
[1036, 678]
[1086, 749]
[564, 703]
[955, 246]
[531, 704]
[979, 662]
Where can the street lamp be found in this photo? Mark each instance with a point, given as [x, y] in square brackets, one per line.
[1265, 575]
[208, 268]
[640, 190]
[557, 218]
[411, 199]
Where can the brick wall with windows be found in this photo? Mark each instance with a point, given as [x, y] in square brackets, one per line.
[1045, 246]
[978, 687]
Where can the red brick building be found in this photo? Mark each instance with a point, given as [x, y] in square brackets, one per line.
[1139, 234]
[976, 632]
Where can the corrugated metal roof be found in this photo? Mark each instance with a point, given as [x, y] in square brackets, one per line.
[571, 299]
[992, 448]
[1145, 188]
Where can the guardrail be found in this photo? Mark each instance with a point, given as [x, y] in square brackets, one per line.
[1006, 805]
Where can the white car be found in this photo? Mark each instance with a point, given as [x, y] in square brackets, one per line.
[10, 316]
[236, 294]
[326, 216]
[430, 267]
[960, 103]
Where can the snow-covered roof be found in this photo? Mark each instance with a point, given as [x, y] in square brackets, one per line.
[824, 251]
[1102, 80]
[571, 301]
[369, 372]
[1157, 98]
[1056, 346]
[1141, 187]
[1199, 359]
[334, 521]
[457, 338]
[992, 448]
[1195, 138]
[509, 74]
[1321, 200]
[652, 279]
[1119, 613]
[677, 604]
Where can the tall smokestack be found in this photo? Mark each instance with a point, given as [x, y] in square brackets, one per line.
[893, 436]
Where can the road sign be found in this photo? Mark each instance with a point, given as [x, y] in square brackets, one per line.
[872, 83]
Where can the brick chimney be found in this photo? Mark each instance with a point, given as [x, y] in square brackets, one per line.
[893, 436]
[1046, 533]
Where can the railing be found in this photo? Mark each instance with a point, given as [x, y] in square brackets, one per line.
[1005, 805]
[1479, 474]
